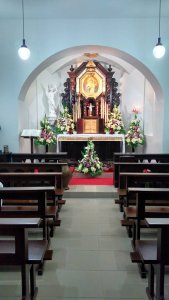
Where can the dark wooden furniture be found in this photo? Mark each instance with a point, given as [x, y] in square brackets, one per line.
[30, 167]
[36, 194]
[134, 167]
[130, 179]
[141, 211]
[22, 157]
[155, 254]
[127, 162]
[90, 91]
[159, 157]
[32, 179]
[90, 125]
[22, 252]
[41, 157]
[37, 167]
[141, 179]
[143, 194]
[36, 180]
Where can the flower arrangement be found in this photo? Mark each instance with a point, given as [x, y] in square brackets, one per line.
[134, 136]
[47, 137]
[64, 123]
[115, 123]
[90, 163]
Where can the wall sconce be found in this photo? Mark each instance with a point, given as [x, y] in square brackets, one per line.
[159, 49]
[23, 52]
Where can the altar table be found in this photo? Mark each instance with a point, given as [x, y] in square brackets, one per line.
[93, 137]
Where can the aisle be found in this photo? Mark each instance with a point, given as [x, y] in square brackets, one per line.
[91, 255]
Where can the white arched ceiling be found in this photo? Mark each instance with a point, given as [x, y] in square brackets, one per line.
[119, 59]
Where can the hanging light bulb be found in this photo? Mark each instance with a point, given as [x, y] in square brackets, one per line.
[159, 49]
[23, 52]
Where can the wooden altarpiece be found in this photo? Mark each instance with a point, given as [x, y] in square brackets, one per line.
[90, 94]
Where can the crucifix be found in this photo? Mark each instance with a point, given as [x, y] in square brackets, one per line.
[90, 110]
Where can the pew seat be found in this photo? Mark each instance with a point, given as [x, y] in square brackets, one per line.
[20, 251]
[130, 215]
[50, 210]
[145, 254]
[130, 212]
[146, 251]
[36, 250]
[13, 209]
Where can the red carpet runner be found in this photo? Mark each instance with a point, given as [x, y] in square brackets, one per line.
[91, 181]
[80, 179]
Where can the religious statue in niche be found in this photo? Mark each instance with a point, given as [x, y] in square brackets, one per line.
[50, 93]
[54, 102]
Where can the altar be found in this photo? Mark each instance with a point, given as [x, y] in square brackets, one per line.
[105, 144]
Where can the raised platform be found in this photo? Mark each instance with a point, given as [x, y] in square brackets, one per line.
[91, 191]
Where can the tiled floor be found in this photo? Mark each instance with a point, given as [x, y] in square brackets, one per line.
[91, 255]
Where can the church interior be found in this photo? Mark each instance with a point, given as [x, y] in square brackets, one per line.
[84, 150]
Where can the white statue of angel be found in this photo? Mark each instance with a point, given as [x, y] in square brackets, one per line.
[50, 93]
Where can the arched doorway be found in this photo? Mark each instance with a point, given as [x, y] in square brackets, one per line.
[137, 84]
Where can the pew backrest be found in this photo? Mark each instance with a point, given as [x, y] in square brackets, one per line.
[120, 167]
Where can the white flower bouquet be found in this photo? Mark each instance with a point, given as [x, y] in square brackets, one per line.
[134, 136]
[90, 163]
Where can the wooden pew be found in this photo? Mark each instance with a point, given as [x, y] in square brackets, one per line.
[155, 254]
[34, 179]
[139, 179]
[159, 157]
[61, 157]
[120, 157]
[21, 251]
[124, 167]
[120, 167]
[41, 157]
[22, 157]
[37, 194]
[38, 167]
[30, 167]
[143, 194]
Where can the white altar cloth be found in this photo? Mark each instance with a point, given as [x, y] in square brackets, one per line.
[93, 137]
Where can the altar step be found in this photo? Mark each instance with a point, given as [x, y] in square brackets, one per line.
[82, 191]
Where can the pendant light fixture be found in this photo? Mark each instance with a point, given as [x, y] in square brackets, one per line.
[24, 52]
[159, 49]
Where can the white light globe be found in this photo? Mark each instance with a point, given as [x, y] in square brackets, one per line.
[24, 52]
[159, 51]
